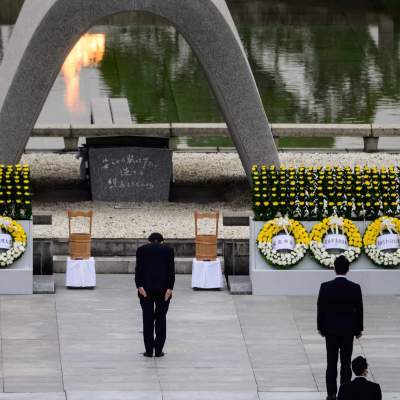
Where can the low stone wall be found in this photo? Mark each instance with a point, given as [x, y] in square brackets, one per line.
[17, 278]
[235, 252]
[306, 277]
[369, 133]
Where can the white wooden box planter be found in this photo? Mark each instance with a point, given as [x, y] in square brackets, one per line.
[18, 277]
[306, 277]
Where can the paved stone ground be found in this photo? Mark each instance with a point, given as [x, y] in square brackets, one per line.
[87, 344]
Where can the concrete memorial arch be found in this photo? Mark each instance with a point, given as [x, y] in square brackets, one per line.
[47, 30]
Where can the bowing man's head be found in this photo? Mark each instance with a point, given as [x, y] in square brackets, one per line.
[341, 265]
[156, 237]
[359, 366]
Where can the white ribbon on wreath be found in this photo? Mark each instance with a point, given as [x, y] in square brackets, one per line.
[388, 224]
[4, 222]
[284, 223]
[336, 223]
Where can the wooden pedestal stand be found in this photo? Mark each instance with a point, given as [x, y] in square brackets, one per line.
[79, 242]
[206, 245]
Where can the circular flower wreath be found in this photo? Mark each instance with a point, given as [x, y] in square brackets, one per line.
[19, 241]
[375, 229]
[280, 259]
[335, 225]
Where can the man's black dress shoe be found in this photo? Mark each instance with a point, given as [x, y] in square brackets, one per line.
[146, 354]
[162, 354]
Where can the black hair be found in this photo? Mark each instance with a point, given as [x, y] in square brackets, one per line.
[342, 265]
[359, 365]
[156, 237]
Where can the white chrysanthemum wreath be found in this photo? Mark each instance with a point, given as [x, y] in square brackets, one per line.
[269, 237]
[381, 241]
[336, 226]
[18, 241]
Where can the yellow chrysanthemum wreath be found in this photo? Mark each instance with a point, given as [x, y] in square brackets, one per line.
[278, 258]
[19, 241]
[334, 225]
[382, 225]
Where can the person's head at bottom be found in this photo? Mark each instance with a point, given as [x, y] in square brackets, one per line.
[360, 366]
[155, 237]
[341, 265]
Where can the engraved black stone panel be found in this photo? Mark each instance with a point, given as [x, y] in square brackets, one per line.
[131, 174]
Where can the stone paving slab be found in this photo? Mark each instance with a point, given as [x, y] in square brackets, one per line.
[28, 317]
[31, 366]
[205, 379]
[310, 396]
[90, 342]
[210, 395]
[291, 396]
[111, 379]
[180, 395]
[114, 395]
[33, 396]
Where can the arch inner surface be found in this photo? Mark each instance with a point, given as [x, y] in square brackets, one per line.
[46, 31]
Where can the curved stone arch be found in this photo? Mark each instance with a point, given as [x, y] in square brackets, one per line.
[47, 30]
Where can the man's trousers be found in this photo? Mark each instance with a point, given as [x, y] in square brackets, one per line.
[155, 310]
[338, 346]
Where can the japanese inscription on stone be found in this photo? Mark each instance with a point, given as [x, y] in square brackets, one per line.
[130, 173]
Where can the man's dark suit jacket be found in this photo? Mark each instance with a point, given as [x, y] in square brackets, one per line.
[155, 267]
[360, 389]
[340, 308]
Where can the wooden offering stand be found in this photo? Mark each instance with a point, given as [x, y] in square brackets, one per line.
[80, 242]
[206, 245]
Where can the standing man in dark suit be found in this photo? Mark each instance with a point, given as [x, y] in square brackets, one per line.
[360, 388]
[340, 318]
[155, 278]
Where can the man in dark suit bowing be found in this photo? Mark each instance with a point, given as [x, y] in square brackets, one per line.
[360, 388]
[155, 278]
[340, 318]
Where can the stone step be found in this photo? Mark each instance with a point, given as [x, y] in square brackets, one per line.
[43, 284]
[240, 284]
[121, 265]
[34, 396]
[174, 395]
[309, 396]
